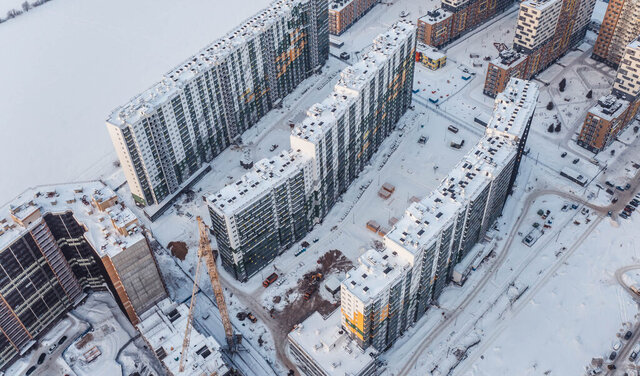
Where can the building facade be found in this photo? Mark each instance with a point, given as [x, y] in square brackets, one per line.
[614, 112]
[455, 18]
[620, 26]
[393, 288]
[341, 134]
[56, 242]
[165, 136]
[280, 200]
[545, 31]
[264, 213]
[344, 13]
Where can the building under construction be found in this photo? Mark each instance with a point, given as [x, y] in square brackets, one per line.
[56, 243]
[163, 328]
[166, 136]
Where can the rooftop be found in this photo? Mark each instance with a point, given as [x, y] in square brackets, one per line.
[265, 174]
[110, 226]
[508, 58]
[329, 347]
[321, 116]
[609, 107]
[375, 272]
[210, 56]
[338, 5]
[539, 4]
[435, 16]
[163, 328]
[513, 107]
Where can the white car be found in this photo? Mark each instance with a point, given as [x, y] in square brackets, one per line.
[52, 348]
[616, 345]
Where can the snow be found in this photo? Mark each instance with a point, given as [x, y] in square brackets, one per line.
[599, 11]
[83, 199]
[575, 316]
[93, 57]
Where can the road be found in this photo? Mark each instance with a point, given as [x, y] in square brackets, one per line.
[624, 352]
[472, 297]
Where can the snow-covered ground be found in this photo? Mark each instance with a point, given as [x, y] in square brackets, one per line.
[71, 62]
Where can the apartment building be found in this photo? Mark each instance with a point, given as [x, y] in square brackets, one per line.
[163, 328]
[372, 298]
[256, 218]
[393, 288]
[166, 136]
[281, 199]
[614, 112]
[320, 347]
[620, 26]
[344, 13]
[455, 18]
[545, 31]
[56, 242]
[341, 133]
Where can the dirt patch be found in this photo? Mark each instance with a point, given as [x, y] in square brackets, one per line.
[298, 310]
[334, 261]
[84, 340]
[178, 249]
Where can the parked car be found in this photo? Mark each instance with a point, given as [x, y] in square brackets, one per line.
[41, 358]
[619, 188]
[61, 340]
[52, 348]
[270, 279]
[30, 370]
[616, 345]
[628, 335]
[610, 184]
[453, 129]
[627, 186]
[344, 56]
[576, 160]
[634, 352]
[251, 317]
[613, 355]
[624, 215]
[615, 199]
[564, 154]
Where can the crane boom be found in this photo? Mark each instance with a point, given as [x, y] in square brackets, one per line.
[187, 331]
[207, 253]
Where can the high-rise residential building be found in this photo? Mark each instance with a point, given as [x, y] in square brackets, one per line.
[56, 242]
[262, 214]
[614, 112]
[620, 26]
[166, 136]
[455, 18]
[280, 200]
[373, 297]
[320, 347]
[163, 328]
[341, 133]
[344, 13]
[545, 31]
[394, 287]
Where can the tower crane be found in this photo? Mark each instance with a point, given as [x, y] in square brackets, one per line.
[204, 251]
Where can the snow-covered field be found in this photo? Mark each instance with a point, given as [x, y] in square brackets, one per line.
[68, 63]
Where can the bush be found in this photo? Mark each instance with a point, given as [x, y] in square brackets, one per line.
[563, 84]
[26, 6]
[590, 94]
[550, 106]
[635, 129]
[550, 129]
[558, 127]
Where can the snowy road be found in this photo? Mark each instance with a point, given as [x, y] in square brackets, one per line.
[471, 298]
[626, 349]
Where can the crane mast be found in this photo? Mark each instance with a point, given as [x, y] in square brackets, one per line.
[207, 253]
[204, 251]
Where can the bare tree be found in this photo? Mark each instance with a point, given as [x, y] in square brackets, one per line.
[26, 6]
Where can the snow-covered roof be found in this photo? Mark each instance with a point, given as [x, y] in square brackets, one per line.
[264, 175]
[429, 51]
[435, 16]
[322, 116]
[174, 81]
[609, 107]
[163, 328]
[110, 226]
[375, 273]
[338, 5]
[508, 58]
[538, 4]
[513, 107]
[330, 348]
